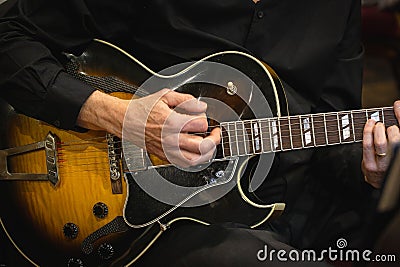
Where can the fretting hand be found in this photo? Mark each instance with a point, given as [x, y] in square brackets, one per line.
[377, 143]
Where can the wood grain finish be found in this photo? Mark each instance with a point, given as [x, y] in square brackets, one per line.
[84, 181]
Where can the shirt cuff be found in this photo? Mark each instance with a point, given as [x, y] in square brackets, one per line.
[64, 101]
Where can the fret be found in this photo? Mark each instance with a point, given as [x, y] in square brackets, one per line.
[312, 128]
[277, 135]
[226, 151]
[286, 139]
[295, 129]
[242, 136]
[274, 137]
[332, 128]
[375, 114]
[359, 120]
[320, 136]
[232, 138]
[238, 139]
[290, 133]
[257, 143]
[326, 130]
[260, 129]
[251, 132]
[266, 136]
[306, 130]
[346, 132]
[301, 131]
[352, 126]
[390, 118]
[280, 133]
[337, 120]
[366, 115]
[248, 137]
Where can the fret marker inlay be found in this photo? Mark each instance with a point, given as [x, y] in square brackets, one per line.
[375, 116]
[346, 127]
[275, 134]
[256, 137]
[307, 133]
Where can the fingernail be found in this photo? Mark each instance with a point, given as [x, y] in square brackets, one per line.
[202, 104]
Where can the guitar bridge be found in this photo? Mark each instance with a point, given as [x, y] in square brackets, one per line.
[50, 147]
[114, 159]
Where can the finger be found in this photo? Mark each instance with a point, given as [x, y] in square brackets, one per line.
[368, 142]
[199, 144]
[186, 123]
[192, 150]
[208, 146]
[194, 143]
[192, 106]
[393, 133]
[184, 141]
[396, 108]
[184, 158]
[380, 141]
[215, 136]
[184, 101]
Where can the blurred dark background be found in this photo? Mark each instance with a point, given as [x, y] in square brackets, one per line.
[381, 38]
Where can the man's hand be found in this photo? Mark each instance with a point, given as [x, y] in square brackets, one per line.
[377, 143]
[154, 123]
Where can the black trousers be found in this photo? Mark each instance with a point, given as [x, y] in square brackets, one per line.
[198, 245]
[220, 245]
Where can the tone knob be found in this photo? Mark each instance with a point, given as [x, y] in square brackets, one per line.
[100, 210]
[70, 230]
[74, 262]
[105, 251]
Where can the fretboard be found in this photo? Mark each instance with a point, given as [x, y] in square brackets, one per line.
[257, 136]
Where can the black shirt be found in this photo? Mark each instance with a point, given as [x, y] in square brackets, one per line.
[314, 46]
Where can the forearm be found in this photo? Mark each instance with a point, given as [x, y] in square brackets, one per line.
[103, 112]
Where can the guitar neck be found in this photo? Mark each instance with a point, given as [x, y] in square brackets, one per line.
[257, 136]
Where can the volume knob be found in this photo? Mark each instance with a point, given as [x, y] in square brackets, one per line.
[106, 251]
[100, 210]
[70, 230]
[74, 262]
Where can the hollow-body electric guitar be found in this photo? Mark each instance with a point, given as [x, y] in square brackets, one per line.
[87, 199]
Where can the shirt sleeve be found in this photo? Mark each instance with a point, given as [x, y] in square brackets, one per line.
[33, 80]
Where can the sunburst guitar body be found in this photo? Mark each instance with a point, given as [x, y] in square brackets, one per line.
[69, 199]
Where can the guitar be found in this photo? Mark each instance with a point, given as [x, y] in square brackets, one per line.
[80, 199]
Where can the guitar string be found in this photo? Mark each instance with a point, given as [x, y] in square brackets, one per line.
[291, 124]
[64, 157]
[284, 131]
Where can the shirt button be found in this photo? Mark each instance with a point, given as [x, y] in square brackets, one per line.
[260, 14]
[57, 123]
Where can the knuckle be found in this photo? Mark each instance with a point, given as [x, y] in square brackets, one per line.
[381, 144]
[393, 129]
[370, 167]
[367, 130]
